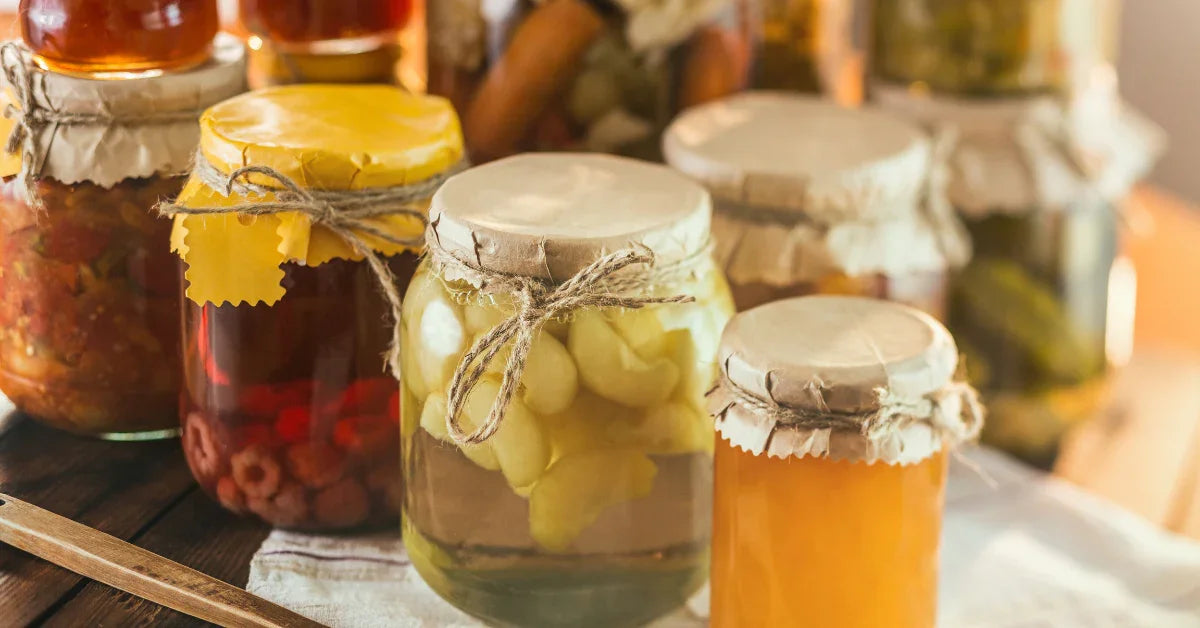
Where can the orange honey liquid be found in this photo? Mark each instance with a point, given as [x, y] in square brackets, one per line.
[817, 542]
[115, 36]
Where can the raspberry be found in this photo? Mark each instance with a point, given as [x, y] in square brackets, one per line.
[394, 407]
[316, 464]
[294, 424]
[342, 505]
[230, 495]
[255, 434]
[365, 396]
[203, 454]
[367, 437]
[256, 472]
[288, 508]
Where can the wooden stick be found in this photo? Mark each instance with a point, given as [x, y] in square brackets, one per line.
[96, 555]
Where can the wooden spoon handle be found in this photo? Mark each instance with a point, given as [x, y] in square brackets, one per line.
[96, 555]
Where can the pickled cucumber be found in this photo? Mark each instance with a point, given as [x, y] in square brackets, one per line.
[610, 368]
[578, 488]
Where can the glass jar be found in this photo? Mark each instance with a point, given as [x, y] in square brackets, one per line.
[119, 36]
[89, 331]
[590, 503]
[819, 519]
[1030, 313]
[288, 412]
[805, 46]
[1038, 182]
[580, 75]
[324, 41]
[992, 47]
[811, 198]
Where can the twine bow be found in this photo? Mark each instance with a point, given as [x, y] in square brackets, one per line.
[348, 214]
[893, 414]
[597, 286]
[31, 118]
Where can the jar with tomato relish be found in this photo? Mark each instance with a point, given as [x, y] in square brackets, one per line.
[119, 37]
[293, 272]
[812, 198]
[89, 326]
[324, 41]
[835, 417]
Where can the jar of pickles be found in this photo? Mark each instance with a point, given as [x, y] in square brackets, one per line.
[1039, 182]
[580, 74]
[89, 326]
[835, 417]
[297, 230]
[992, 47]
[323, 41]
[118, 36]
[559, 339]
[813, 198]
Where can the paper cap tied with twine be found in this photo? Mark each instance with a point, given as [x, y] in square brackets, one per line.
[561, 233]
[1016, 155]
[845, 378]
[76, 129]
[804, 188]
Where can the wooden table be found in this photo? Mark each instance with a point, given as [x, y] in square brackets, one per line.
[1146, 458]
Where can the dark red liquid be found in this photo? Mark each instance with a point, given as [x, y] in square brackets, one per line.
[288, 412]
[119, 35]
[321, 20]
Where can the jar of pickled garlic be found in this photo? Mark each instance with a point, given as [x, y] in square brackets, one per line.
[992, 47]
[323, 41]
[89, 326]
[559, 339]
[580, 74]
[835, 417]
[118, 37]
[811, 198]
[1044, 311]
[297, 229]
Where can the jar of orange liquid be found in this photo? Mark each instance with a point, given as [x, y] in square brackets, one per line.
[835, 416]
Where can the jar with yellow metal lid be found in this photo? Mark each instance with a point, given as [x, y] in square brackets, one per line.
[835, 418]
[297, 229]
[89, 322]
[559, 338]
[813, 198]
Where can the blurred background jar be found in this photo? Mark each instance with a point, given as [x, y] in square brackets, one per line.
[325, 41]
[89, 332]
[992, 47]
[594, 75]
[805, 46]
[119, 36]
[1046, 155]
[812, 198]
[288, 412]
[590, 504]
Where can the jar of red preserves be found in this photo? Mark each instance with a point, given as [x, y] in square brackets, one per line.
[119, 36]
[89, 330]
[289, 412]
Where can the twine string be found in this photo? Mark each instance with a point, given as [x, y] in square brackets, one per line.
[348, 214]
[30, 118]
[893, 414]
[601, 285]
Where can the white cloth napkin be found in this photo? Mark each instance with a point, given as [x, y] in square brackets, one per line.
[1022, 550]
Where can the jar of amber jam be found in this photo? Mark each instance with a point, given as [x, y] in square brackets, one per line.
[288, 410]
[835, 417]
[324, 41]
[119, 36]
[811, 198]
[568, 304]
[89, 326]
[580, 74]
